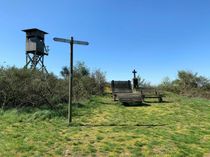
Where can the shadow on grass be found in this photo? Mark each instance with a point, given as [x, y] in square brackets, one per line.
[136, 104]
[79, 105]
[156, 101]
[99, 102]
[117, 125]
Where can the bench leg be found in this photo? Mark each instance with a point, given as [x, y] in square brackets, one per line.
[160, 99]
[115, 97]
[142, 98]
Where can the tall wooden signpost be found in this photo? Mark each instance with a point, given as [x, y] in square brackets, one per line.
[71, 42]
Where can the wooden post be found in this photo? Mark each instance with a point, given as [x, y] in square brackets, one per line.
[71, 42]
[70, 82]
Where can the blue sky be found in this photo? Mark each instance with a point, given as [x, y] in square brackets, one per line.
[156, 37]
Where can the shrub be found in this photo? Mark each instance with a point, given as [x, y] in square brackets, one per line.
[85, 83]
[143, 83]
[25, 87]
[22, 87]
[187, 83]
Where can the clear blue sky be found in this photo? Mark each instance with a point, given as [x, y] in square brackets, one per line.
[156, 37]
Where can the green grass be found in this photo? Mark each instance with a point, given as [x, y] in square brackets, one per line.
[101, 127]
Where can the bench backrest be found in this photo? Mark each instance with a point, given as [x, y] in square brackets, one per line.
[121, 86]
[149, 91]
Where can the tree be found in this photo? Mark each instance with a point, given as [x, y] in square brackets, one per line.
[65, 72]
[100, 81]
[85, 83]
[187, 80]
[81, 69]
[142, 82]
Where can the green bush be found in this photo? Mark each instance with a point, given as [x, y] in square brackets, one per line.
[85, 83]
[25, 87]
[187, 83]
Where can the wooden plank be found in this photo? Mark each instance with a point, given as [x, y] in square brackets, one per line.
[69, 41]
[129, 97]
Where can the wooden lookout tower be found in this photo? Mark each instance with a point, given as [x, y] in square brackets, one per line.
[35, 49]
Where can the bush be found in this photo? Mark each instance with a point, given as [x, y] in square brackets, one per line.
[25, 87]
[22, 87]
[85, 83]
[143, 83]
[187, 83]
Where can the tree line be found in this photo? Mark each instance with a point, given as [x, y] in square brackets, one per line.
[20, 87]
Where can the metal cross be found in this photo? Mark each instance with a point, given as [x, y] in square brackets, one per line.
[134, 73]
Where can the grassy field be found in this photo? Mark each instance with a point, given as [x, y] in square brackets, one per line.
[101, 127]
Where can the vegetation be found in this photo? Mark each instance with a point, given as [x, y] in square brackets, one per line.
[85, 83]
[142, 82]
[101, 127]
[24, 87]
[34, 110]
[188, 84]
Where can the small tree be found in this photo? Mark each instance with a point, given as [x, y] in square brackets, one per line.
[142, 82]
[187, 80]
[85, 83]
[65, 72]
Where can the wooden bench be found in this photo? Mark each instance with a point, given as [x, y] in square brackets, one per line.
[122, 91]
[151, 93]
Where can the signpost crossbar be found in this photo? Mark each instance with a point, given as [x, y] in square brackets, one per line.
[69, 41]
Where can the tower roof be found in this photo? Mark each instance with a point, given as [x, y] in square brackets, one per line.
[33, 30]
